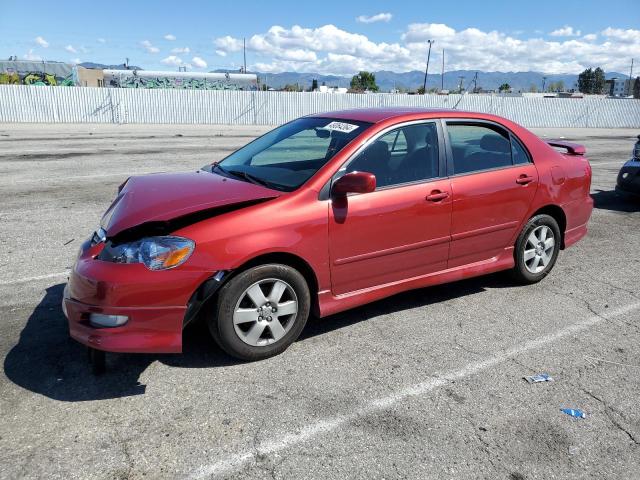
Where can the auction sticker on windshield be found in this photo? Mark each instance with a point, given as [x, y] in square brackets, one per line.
[341, 127]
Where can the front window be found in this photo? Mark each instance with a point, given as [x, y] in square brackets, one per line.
[405, 155]
[288, 156]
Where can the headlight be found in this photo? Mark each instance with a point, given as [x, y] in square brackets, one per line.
[156, 253]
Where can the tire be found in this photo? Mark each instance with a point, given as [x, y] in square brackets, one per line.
[250, 321]
[533, 269]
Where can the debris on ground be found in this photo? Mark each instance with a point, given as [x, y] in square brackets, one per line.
[541, 377]
[574, 412]
[593, 360]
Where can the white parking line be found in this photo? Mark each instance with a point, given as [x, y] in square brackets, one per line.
[38, 277]
[81, 177]
[618, 162]
[235, 462]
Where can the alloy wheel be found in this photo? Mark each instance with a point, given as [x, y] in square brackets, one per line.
[265, 312]
[539, 249]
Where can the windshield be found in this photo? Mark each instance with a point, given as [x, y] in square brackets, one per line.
[288, 156]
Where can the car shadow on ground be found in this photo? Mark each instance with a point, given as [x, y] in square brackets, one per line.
[614, 201]
[48, 362]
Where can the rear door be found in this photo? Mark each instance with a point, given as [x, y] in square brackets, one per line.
[493, 182]
[401, 230]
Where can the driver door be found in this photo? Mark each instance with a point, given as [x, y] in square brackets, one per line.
[402, 229]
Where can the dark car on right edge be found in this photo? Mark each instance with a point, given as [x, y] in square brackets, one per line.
[629, 176]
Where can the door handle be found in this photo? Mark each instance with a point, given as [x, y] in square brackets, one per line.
[437, 195]
[524, 179]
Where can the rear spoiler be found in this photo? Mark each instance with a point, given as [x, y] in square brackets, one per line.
[571, 148]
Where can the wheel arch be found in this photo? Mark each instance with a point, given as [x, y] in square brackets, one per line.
[291, 260]
[558, 214]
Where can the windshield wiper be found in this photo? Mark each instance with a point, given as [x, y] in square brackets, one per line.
[248, 177]
[251, 178]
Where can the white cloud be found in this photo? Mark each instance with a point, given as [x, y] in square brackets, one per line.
[170, 37]
[624, 35]
[41, 42]
[76, 61]
[102, 40]
[380, 17]
[565, 31]
[70, 49]
[32, 56]
[148, 46]
[180, 50]
[199, 62]
[329, 49]
[173, 61]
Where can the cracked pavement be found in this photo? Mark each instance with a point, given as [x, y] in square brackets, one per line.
[342, 401]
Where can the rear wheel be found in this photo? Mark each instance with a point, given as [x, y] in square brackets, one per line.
[537, 249]
[260, 312]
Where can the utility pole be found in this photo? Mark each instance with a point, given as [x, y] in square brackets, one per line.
[544, 80]
[442, 76]
[475, 83]
[630, 76]
[244, 54]
[461, 77]
[426, 72]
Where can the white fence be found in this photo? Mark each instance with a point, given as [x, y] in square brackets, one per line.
[28, 104]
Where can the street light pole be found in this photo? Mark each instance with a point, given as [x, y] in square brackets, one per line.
[426, 72]
[442, 76]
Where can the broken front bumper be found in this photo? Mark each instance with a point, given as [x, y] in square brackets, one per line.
[155, 304]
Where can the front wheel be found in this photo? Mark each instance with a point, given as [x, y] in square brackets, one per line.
[537, 249]
[260, 312]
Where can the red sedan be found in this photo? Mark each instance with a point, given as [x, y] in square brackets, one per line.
[320, 215]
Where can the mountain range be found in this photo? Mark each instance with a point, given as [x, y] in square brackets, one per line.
[386, 80]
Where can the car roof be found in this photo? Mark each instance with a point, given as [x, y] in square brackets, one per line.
[375, 115]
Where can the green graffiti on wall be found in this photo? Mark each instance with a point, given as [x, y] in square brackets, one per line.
[35, 78]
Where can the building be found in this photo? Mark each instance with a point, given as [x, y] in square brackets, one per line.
[90, 77]
[26, 72]
[180, 80]
[325, 89]
[616, 87]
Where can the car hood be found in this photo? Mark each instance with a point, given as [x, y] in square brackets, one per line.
[166, 196]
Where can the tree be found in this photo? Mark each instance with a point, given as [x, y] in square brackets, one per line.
[598, 83]
[533, 88]
[364, 81]
[291, 87]
[636, 88]
[591, 81]
[314, 85]
[505, 87]
[586, 81]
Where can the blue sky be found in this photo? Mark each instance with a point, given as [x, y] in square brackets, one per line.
[329, 36]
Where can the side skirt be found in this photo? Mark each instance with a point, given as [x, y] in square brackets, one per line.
[330, 304]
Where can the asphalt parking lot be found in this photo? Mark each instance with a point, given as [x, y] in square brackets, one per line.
[427, 384]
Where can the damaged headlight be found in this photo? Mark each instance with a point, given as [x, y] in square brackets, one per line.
[156, 253]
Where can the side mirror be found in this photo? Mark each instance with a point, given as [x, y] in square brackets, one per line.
[354, 182]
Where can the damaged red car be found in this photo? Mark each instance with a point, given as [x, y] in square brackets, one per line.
[321, 215]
